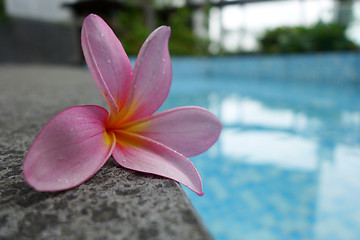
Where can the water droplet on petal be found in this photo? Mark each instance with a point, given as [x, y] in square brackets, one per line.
[102, 35]
[109, 61]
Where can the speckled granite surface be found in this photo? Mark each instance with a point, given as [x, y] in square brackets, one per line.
[116, 203]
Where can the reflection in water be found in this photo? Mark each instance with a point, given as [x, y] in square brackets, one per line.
[287, 164]
[269, 147]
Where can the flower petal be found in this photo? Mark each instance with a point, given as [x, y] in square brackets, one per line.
[107, 61]
[69, 149]
[187, 130]
[145, 155]
[152, 74]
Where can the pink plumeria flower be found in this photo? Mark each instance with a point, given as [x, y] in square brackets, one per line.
[78, 141]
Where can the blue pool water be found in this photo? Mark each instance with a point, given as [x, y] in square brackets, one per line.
[287, 163]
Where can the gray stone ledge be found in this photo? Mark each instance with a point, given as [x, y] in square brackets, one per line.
[116, 203]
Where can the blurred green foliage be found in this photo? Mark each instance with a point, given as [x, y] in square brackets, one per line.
[132, 30]
[320, 37]
[183, 40]
[2, 11]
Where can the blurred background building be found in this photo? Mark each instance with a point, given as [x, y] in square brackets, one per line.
[49, 31]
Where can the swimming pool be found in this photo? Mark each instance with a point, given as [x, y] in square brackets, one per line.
[287, 164]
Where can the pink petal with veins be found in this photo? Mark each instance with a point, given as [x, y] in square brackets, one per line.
[187, 130]
[145, 155]
[69, 149]
[107, 61]
[152, 74]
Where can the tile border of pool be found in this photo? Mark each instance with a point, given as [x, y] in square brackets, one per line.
[327, 67]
